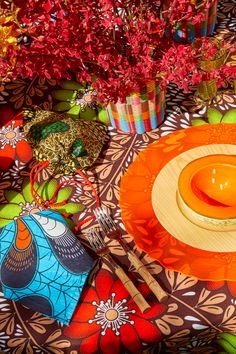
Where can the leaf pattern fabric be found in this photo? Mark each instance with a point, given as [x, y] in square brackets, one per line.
[79, 101]
[196, 311]
[21, 203]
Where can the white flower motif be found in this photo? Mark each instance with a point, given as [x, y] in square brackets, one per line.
[13, 172]
[39, 351]
[4, 305]
[10, 135]
[111, 314]
[84, 99]
[18, 331]
[28, 209]
[171, 123]
[3, 340]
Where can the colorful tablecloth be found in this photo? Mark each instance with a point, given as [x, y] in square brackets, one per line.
[106, 319]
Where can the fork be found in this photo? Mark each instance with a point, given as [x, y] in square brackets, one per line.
[99, 246]
[114, 232]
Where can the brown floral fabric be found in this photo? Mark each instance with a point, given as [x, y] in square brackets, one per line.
[195, 311]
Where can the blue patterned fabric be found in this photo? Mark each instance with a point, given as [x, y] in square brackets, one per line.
[43, 265]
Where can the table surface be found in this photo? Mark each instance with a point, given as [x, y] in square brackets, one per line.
[195, 310]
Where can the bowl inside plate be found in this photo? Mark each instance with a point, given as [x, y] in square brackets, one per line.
[207, 191]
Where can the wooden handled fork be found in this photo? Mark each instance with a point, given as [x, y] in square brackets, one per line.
[114, 232]
[102, 250]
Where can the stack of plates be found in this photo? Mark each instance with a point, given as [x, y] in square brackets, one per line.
[195, 235]
[179, 218]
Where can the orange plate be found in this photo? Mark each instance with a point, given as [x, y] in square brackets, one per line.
[138, 215]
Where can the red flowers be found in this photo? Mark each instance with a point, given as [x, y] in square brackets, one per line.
[121, 43]
[12, 142]
[108, 320]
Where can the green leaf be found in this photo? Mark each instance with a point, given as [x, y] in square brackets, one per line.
[229, 337]
[196, 122]
[63, 194]
[4, 222]
[71, 85]
[214, 116]
[88, 114]
[62, 106]
[9, 211]
[63, 95]
[226, 346]
[47, 189]
[230, 116]
[26, 190]
[71, 208]
[103, 116]
[14, 197]
[74, 111]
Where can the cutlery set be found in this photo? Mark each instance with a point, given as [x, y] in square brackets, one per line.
[112, 231]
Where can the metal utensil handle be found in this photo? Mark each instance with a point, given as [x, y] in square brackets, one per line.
[157, 290]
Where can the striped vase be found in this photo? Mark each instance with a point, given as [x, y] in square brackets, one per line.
[187, 32]
[142, 111]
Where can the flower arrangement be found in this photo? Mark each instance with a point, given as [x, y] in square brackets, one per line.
[190, 20]
[175, 11]
[9, 33]
[212, 66]
[116, 46]
[204, 60]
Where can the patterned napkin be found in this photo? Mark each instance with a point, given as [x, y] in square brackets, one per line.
[43, 265]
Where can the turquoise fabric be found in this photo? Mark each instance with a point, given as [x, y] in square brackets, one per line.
[43, 265]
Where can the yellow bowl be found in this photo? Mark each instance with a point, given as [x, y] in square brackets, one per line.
[207, 192]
